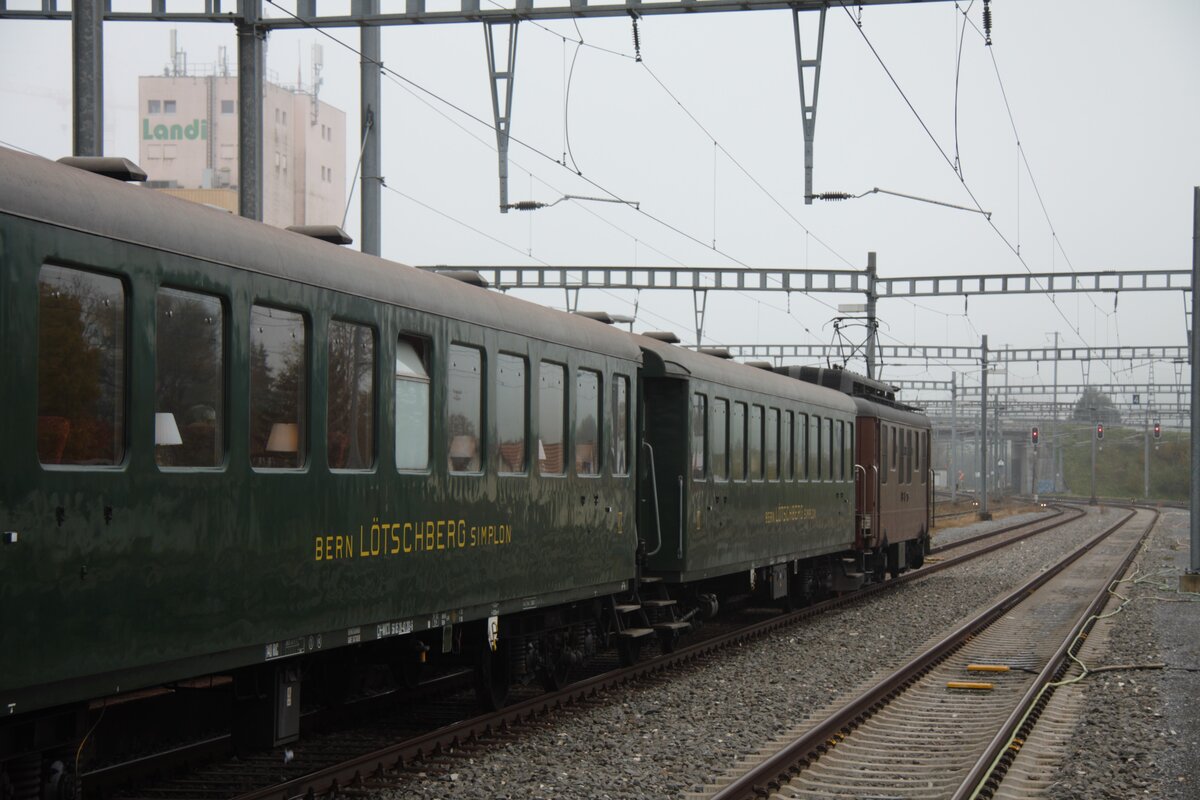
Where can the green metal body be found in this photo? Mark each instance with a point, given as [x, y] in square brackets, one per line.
[710, 527]
[132, 575]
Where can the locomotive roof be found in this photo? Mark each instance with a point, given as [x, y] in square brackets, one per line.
[35, 188]
[672, 360]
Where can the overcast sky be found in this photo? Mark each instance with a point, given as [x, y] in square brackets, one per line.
[1103, 96]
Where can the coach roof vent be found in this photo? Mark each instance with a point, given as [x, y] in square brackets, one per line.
[767, 365]
[326, 233]
[121, 169]
[716, 352]
[467, 276]
[599, 316]
[662, 336]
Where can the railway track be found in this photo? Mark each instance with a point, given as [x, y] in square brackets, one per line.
[936, 728]
[376, 757]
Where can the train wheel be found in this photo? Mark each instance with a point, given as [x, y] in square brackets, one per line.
[554, 675]
[893, 560]
[492, 676]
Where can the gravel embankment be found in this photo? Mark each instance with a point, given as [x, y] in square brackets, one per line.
[664, 737]
[1139, 735]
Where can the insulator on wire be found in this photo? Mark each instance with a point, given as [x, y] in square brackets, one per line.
[637, 42]
[834, 196]
[987, 23]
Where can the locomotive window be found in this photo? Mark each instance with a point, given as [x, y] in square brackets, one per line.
[620, 438]
[350, 418]
[737, 442]
[699, 433]
[278, 388]
[587, 422]
[719, 435]
[893, 430]
[801, 447]
[883, 453]
[81, 368]
[771, 450]
[551, 410]
[786, 466]
[921, 452]
[755, 441]
[512, 396]
[908, 452]
[412, 404]
[464, 409]
[189, 380]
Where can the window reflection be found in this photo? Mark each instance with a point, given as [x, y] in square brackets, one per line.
[412, 404]
[81, 367]
[587, 422]
[699, 434]
[278, 384]
[620, 437]
[189, 379]
[464, 409]
[350, 434]
[511, 401]
[551, 412]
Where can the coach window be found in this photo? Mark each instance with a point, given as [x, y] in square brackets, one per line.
[189, 379]
[512, 402]
[551, 413]
[849, 451]
[278, 388]
[350, 417]
[464, 409]
[801, 448]
[699, 435]
[587, 422]
[737, 442]
[815, 448]
[787, 469]
[81, 368]
[771, 444]
[620, 428]
[412, 404]
[719, 438]
[755, 441]
[830, 451]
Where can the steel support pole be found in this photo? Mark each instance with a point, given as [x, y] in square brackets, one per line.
[1146, 460]
[872, 302]
[371, 181]
[1054, 448]
[1191, 581]
[809, 110]
[1095, 441]
[87, 80]
[953, 436]
[251, 69]
[983, 443]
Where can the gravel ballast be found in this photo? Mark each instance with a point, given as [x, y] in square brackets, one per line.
[668, 735]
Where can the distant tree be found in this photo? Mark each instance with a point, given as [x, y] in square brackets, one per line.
[1094, 405]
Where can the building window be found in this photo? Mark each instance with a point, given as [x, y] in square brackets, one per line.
[350, 426]
[168, 106]
[278, 388]
[285, 118]
[464, 409]
[512, 399]
[81, 368]
[620, 438]
[189, 356]
[587, 422]
[412, 405]
[699, 434]
[154, 107]
[227, 106]
[551, 412]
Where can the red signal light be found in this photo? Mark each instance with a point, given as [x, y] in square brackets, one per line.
[1034, 434]
[1099, 430]
[1157, 430]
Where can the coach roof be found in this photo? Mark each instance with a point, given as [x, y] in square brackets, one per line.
[35, 188]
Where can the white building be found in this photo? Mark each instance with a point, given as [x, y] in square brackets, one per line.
[188, 145]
